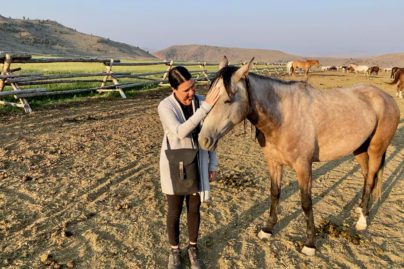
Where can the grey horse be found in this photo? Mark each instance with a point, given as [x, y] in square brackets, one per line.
[298, 125]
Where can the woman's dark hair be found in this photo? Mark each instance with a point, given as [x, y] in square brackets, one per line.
[178, 75]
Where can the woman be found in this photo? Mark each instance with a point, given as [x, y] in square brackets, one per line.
[181, 114]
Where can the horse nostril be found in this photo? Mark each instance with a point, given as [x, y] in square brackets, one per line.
[204, 142]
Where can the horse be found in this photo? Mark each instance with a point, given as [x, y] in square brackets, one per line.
[324, 68]
[289, 67]
[393, 71]
[373, 70]
[358, 68]
[345, 68]
[297, 125]
[399, 76]
[305, 65]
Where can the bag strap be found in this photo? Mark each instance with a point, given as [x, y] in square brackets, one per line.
[198, 127]
[168, 143]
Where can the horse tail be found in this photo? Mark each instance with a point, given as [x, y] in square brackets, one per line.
[377, 190]
[396, 78]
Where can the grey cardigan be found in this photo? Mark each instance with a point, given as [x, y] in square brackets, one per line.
[178, 131]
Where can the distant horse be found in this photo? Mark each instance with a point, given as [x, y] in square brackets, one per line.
[328, 68]
[393, 71]
[324, 68]
[358, 68]
[289, 67]
[399, 76]
[298, 125]
[305, 65]
[374, 70]
[345, 68]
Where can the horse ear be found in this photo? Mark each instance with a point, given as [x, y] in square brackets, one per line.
[242, 72]
[224, 62]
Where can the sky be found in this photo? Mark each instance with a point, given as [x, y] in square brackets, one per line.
[341, 28]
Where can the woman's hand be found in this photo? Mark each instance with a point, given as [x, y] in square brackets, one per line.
[212, 176]
[212, 96]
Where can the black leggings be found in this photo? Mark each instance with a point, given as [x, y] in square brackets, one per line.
[175, 203]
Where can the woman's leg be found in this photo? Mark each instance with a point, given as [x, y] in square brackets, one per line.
[173, 218]
[193, 217]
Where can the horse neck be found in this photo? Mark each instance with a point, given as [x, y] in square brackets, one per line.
[264, 98]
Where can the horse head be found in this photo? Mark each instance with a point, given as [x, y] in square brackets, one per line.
[232, 106]
[316, 63]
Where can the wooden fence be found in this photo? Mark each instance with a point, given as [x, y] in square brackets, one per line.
[17, 80]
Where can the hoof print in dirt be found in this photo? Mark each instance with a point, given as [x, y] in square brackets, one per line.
[67, 233]
[27, 178]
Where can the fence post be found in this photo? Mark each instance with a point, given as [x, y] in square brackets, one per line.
[166, 73]
[114, 80]
[108, 71]
[6, 71]
[202, 66]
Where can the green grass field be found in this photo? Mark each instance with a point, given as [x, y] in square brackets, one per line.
[76, 68]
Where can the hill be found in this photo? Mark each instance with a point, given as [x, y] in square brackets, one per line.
[214, 54]
[50, 37]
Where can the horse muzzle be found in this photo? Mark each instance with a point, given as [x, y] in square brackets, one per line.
[207, 143]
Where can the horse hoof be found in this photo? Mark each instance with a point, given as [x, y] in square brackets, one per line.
[309, 251]
[361, 226]
[263, 235]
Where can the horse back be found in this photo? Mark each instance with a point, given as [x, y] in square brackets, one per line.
[331, 123]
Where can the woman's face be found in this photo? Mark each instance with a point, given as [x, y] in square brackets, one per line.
[185, 92]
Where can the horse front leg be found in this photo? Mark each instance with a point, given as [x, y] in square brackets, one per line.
[275, 172]
[303, 172]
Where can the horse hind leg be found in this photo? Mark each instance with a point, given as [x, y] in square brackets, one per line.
[362, 157]
[304, 172]
[275, 172]
[376, 155]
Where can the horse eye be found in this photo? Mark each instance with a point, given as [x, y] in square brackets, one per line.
[227, 101]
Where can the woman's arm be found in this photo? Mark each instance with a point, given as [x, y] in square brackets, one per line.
[212, 161]
[170, 121]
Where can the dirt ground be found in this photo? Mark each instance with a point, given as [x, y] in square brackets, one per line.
[79, 186]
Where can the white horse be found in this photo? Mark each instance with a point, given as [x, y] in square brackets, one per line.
[289, 67]
[359, 68]
[325, 68]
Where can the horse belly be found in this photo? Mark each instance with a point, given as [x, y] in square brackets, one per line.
[342, 139]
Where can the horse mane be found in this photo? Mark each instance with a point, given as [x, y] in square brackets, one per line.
[272, 79]
[226, 73]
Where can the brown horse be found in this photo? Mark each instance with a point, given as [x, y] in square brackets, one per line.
[374, 70]
[298, 125]
[393, 71]
[305, 65]
[399, 77]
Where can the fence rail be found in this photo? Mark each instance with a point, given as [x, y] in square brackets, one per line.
[9, 77]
